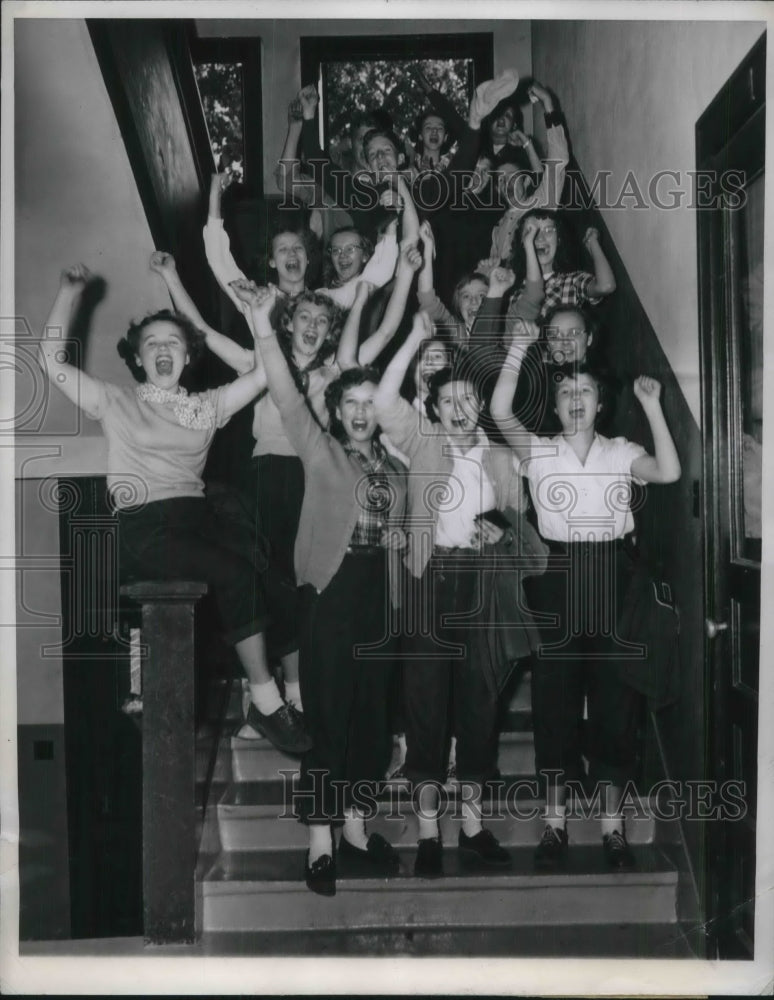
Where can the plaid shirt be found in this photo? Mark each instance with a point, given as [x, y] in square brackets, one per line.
[570, 288]
[374, 495]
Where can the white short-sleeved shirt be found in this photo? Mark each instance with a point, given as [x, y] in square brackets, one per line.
[575, 502]
[469, 492]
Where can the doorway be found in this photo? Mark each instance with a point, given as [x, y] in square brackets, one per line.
[730, 139]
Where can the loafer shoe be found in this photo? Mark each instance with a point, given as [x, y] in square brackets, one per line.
[378, 855]
[284, 728]
[618, 854]
[321, 875]
[551, 852]
[429, 859]
[483, 851]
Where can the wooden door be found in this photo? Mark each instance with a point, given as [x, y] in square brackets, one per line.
[731, 144]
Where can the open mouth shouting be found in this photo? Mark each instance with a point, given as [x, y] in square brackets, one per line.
[164, 366]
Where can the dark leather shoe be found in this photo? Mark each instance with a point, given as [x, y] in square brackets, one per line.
[483, 851]
[284, 728]
[429, 860]
[378, 855]
[618, 854]
[551, 852]
[321, 875]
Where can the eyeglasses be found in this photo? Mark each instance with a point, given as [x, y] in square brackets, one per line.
[344, 251]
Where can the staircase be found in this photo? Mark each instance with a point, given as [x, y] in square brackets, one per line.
[251, 897]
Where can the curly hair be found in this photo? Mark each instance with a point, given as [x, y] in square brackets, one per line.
[282, 325]
[128, 346]
[334, 392]
[330, 278]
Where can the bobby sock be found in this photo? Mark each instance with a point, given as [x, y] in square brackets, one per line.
[471, 819]
[266, 697]
[320, 841]
[610, 824]
[555, 817]
[426, 808]
[354, 829]
[293, 694]
[428, 827]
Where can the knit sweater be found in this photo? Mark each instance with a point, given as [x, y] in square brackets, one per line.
[330, 508]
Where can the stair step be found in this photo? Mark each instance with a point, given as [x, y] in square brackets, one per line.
[258, 760]
[608, 940]
[265, 891]
[248, 822]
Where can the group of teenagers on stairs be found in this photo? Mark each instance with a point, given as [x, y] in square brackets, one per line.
[432, 497]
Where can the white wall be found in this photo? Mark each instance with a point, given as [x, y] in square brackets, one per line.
[281, 69]
[76, 200]
[632, 93]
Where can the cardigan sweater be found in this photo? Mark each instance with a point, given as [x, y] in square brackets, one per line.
[330, 507]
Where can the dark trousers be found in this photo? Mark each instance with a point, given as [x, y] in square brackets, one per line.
[582, 592]
[345, 692]
[443, 683]
[186, 539]
[279, 494]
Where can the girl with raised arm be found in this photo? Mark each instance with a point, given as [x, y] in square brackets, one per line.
[464, 511]
[580, 484]
[351, 519]
[158, 437]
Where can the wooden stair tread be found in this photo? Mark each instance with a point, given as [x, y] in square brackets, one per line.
[277, 869]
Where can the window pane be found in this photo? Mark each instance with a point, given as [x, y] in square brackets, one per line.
[390, 85]
[221, 91]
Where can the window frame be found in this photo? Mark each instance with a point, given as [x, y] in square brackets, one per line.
[247, 52]
[314, 51]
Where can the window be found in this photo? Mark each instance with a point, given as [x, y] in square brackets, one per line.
[359, 74]
[228, 74]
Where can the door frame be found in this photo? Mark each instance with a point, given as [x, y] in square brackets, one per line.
[735, 120]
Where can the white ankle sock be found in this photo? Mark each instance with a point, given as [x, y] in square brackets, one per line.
[320, 841]
[471, 819]
[293, 694]
[354, 829]
[266, 697]
[555, 817]
[610, 824]
[428, 827]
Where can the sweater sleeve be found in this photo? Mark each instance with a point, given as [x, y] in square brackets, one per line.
[439, 314]
[489, 322]
[549, 190]
[526, 304]
[403, 425]
[217, 249]
[381, 267]
[303, 431]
